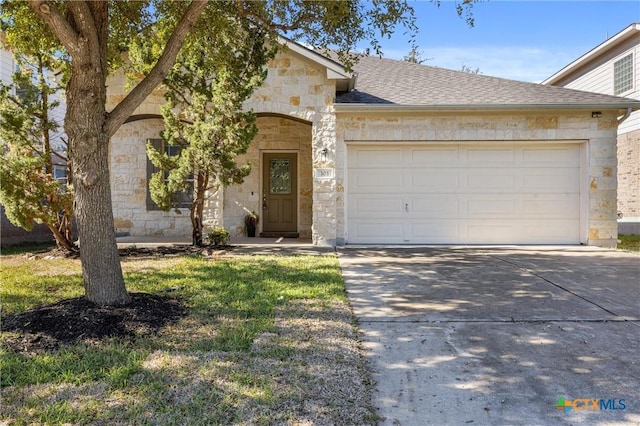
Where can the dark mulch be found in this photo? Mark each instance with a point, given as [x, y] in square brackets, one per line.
[70, 321]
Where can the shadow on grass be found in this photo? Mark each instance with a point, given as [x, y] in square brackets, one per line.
[251, 350]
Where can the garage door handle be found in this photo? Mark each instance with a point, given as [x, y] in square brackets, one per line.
[406, 207]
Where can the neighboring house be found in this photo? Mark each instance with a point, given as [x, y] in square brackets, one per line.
[613, 68]
[10, 234]
[399, 153]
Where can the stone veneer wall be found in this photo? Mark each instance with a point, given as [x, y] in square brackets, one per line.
[129, 185]
[599, 134]
[296, 87]
[274, 134]
[629, 176]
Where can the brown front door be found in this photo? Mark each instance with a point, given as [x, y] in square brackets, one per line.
[280, 193]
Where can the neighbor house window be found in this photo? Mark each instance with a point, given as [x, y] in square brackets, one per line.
[623, 75]
[184, 199]
[60, 174]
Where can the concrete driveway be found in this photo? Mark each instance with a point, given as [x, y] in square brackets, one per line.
[495, 336]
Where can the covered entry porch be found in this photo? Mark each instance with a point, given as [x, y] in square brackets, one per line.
[280, 187]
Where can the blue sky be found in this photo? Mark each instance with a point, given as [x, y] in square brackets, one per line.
[521, 40]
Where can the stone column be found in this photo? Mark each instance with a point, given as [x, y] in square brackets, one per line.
[324, 178]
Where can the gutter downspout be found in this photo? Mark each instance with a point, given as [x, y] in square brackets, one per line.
[625, 116]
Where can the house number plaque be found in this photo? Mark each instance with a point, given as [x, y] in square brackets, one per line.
[323, 173]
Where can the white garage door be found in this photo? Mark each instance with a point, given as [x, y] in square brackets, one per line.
[463, 194]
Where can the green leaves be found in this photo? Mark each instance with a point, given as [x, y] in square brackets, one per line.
[216, 71]
[30, 146]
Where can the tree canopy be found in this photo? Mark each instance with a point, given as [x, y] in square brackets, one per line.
[92, 38]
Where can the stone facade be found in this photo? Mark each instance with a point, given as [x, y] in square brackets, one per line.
[129, 185]
[276, 134]
[629, 176]
[297, 114]
[597, 135]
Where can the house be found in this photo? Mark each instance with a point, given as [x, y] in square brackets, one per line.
[10, 234]
[613, 68]
[399, 153]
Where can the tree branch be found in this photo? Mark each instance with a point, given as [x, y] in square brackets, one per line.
[84, 20]
[264, 23]
[125, 108]
[50, 14]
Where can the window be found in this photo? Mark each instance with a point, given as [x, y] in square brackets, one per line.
[623, 75]
[183, 199]
[60, 174]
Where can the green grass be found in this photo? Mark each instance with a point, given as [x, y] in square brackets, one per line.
[23, 248]
[202, 369]
[629, 242]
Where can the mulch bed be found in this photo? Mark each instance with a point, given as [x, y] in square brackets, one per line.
[70, 321]
[46, 328]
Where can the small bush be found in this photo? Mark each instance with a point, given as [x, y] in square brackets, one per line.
[219, 236]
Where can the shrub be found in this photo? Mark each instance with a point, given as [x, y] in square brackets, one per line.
[219, 236]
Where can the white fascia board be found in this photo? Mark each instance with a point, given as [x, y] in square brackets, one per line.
[593, 53]
[335, 70]
[354, 107]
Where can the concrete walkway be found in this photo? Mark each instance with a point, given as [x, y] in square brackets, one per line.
[494, 336]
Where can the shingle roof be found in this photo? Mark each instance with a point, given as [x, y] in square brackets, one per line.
[386, 81]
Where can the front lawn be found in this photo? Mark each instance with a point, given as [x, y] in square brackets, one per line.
[265, 340]
[629, 242]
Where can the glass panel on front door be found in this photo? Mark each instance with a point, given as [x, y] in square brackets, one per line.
[280, 176]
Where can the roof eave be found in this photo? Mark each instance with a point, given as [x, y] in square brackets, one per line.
[335, 70]
[356, 107]
[593, 53]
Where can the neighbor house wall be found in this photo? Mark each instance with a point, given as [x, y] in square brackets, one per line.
[629, 176]
[597, 134]
[597, 76]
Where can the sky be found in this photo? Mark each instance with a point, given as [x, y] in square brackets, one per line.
[519, 40]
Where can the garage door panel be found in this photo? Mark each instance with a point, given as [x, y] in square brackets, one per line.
[434, 206]
[491, 207]
[429, 157]
[434, 231]
[432, 180]
[489, 156]
[548, 156]
[489, 181]
[370, 231]
[366, 181]
[462, 194]
[551, 206]
[552, 180]
[375, 206]
[375, 157]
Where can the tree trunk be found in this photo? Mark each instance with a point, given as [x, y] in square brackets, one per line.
[89, 154]
[101, 271]
[84, 32]
[62, 233]
[197, 207]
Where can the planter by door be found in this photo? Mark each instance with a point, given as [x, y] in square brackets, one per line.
[251, 230]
